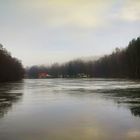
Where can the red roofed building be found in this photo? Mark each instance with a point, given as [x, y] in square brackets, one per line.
[43, 75]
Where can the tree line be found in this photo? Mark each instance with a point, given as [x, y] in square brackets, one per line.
[122, 63]
[11, 68]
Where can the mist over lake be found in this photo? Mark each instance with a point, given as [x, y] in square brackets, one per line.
[69, 69]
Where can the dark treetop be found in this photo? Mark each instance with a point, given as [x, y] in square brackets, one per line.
[11, 68]
[122, 63]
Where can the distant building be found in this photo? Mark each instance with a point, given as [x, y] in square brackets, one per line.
[43, 75]
[82, 75]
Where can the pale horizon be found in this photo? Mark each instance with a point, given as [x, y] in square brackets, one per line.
[48, 31]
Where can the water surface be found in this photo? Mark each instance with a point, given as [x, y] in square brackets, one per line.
[70, 109]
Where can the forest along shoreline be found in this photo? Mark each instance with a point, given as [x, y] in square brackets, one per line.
[11, 68]
[122, 63]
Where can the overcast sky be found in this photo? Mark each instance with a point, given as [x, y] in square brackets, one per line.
[47, 31]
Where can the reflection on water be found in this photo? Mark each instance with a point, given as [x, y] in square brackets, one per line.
[8, 96]
[127, 96]
[71, 109]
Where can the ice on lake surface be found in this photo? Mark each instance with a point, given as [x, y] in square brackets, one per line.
[70, 109]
